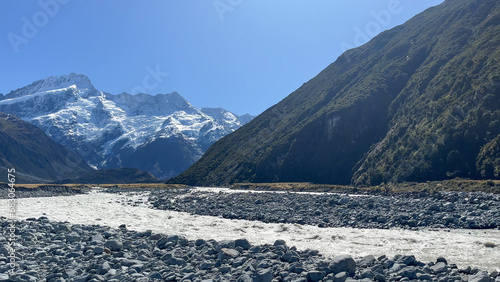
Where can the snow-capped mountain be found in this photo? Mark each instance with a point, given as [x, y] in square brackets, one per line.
[163, 134]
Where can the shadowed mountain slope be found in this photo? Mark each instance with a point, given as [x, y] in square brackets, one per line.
[33, 155]
[418, 102]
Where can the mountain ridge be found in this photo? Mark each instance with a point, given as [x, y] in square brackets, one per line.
[111, 131]
[366, 118]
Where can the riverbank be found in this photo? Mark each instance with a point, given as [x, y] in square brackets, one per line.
[59, 251]
[463, 247]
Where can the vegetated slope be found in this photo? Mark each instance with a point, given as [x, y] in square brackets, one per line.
[418, 102]
[33, 155]
[114, 176]
[163, 134]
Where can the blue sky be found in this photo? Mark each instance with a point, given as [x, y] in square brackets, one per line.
[242, 55]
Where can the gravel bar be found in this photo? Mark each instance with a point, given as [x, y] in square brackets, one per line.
[469, 210]
[42, 191]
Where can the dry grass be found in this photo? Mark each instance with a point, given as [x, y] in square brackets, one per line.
[459, 185]
[143, 185]
[291, 186]
[123, 186]
[35, 186]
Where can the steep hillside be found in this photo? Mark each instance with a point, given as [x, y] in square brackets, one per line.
[163, 134]
[33, 155]
[418, 102]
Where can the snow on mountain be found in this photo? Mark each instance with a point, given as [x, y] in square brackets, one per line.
[108, 131]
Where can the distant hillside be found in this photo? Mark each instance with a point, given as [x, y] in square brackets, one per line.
[418, 102]
[114, 176]
[33, 155]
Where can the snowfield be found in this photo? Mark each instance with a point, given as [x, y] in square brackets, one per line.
[462, 247]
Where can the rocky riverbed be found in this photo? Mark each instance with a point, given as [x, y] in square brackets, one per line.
[410, 211]
[48, 250]
[42, 191]
[51, 249]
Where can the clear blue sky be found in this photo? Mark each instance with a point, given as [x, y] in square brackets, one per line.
[242, 55]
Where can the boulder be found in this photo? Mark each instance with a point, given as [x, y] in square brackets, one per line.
[226, 253]
[243, 243]
[344, 263]
[315, 276]
[439, 267]
[481, 276]
[113, 245]
[265, 275]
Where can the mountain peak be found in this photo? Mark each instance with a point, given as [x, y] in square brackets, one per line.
[177, 99]
[54, 82]
[79, 81]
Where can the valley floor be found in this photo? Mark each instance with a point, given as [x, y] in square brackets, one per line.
[462, 248]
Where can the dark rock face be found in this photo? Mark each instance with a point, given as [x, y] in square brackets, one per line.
[443, 210]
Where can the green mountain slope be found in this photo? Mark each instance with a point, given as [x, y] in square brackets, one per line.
[418, 102]
[33, 155]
